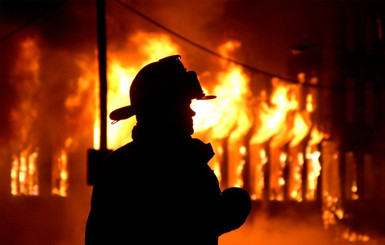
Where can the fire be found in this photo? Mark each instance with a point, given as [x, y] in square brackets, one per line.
[278, 122]
[314, 166]
[229, 113]
[60, 174]
[24, 176]
[227, 117]
[24, 172]
[242, 127]
[226, 121]
[121, 72]
[271, 119]
[60, 170]
[258, 160]
[29, 115]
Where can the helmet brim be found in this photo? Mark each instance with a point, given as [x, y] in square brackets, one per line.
[122, 113]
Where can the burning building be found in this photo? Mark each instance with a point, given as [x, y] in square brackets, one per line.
[307, 136]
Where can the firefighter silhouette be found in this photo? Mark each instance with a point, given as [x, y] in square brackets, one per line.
[159, 189]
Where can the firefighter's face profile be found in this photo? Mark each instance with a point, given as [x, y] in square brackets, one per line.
[180, 115]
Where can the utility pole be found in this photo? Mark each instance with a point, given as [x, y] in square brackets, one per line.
[102, 43]
[95, 157]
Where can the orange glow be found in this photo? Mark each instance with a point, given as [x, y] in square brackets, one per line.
[27, 116]
[300, 129]
[280, 122]
[271, 117]
[258, 159]
[121, 72]
[225, 121]
[295, 176]
[24, 176]
[24, 172]
[60, 174]
[331, 210]
[313, 163]
[240, 126]
[229, 115]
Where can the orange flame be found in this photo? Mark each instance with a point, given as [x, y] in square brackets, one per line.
[60, 174]
[280, 122]
[228, 116]
[25, 115]
[314, 166]
[24, 174]
[151, 47]
[231, 116]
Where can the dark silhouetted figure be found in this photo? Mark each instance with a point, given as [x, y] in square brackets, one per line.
[158, 189]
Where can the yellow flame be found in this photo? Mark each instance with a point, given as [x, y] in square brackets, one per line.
[119, 82]
[271, 118]
[121, 72]
[229, 115]
[295, 188]
[313, 163]
[258, 159]
[24, 176]
[300, 129]
[309, 103]
[314, 169]
[316, 136]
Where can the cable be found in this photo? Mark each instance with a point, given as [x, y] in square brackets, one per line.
[31, 21]
[201, 46]
[19, 28]
[251, 68]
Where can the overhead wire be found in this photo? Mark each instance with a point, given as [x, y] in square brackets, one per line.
[193, 43]
[29, 22]
[249, 67]
[201, 46]
[21, 27]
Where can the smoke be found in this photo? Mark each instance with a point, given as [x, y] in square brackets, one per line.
[280, 225]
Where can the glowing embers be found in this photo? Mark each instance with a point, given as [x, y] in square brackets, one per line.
[24, 175]
[258, 160]
[332, 210]
[351, 189]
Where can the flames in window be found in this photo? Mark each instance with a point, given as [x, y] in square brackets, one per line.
[24, 174]
[259, 128]
[264, 140]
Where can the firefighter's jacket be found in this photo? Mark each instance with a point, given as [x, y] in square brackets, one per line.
[158, 189]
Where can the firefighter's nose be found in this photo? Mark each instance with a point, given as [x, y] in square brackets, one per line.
[192, 112]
